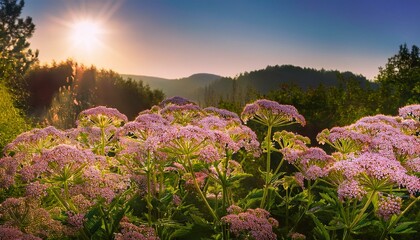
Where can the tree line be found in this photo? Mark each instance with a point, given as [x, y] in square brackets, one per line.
[339, 100]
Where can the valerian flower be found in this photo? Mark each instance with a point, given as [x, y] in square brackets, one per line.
[8, 167]
[297, 236]
[29, 217]
[175, 101]
[151, 118]
[388, 206]
[130, 231]
[350, 189]
[223, 113]
[270, 113]
[343, 139]
[101, 117]
[413, 165]
[410, 111]
[34, 142]
[251, 224]
[185, 140]
[182, 114]
[76, 220]
[394, 142]
[376, 172]
[312, 162]
[9, 233]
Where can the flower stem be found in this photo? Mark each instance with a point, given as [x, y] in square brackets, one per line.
[360, 215]
[215, 217]
[102, 150]
[268, 167]
[149, 191]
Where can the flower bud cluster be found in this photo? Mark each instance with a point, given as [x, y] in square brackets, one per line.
[250, 224]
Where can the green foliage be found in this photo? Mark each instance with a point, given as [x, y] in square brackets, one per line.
[59, 92]
[14, 46]
[400, 79]
[325, 107]
[12, 122]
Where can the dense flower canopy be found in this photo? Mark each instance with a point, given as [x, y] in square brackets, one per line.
[178, 165]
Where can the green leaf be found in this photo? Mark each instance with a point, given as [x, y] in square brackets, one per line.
[199, 220]
[181, 231]
[328, 198]
[361, 225]
[320, 228]
[403, 228]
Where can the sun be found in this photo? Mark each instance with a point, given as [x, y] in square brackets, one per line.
[86, 35]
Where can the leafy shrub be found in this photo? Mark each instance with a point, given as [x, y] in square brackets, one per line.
[11, 120]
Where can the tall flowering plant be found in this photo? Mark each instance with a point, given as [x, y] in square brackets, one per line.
[374, 171]
[270, 114]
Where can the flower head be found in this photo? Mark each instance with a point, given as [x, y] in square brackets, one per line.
[410, 111]
[349, 189]
[8, 167]
[35, 141]
[101, 117]
[130, 231]
[254, 222]
[7, 232]
[175, 101]
[223, 113]
[271, 113]
[389, 205]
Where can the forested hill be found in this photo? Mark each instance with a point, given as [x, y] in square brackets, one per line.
[188, 87]
[272, 78]
[207, 89]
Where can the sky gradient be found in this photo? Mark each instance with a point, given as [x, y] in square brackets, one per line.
[177, 38]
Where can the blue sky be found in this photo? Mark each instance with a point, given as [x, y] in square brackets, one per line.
[177, 38]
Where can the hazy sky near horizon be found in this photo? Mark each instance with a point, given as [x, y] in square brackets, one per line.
[177, 38]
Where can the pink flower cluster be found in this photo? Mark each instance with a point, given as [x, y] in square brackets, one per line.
[380, 150]
[9, 233]
[181, 128]
[271, 113]
[130, 231]
[410, 111]
[389, 205]
[101, 116]
[312, 162]
[251, 224]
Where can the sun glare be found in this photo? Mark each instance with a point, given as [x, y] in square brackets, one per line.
[86, 35]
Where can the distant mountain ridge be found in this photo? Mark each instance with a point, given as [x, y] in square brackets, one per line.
[187, 87]
[199, 87]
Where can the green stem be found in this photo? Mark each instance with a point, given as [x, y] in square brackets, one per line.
[360, 215]
[62, 201]
[216, 219]
[149, 191]
[345, 234]
[225, 197]
[102, 150]
[268, 167]
[287, 208]
[279, 166]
